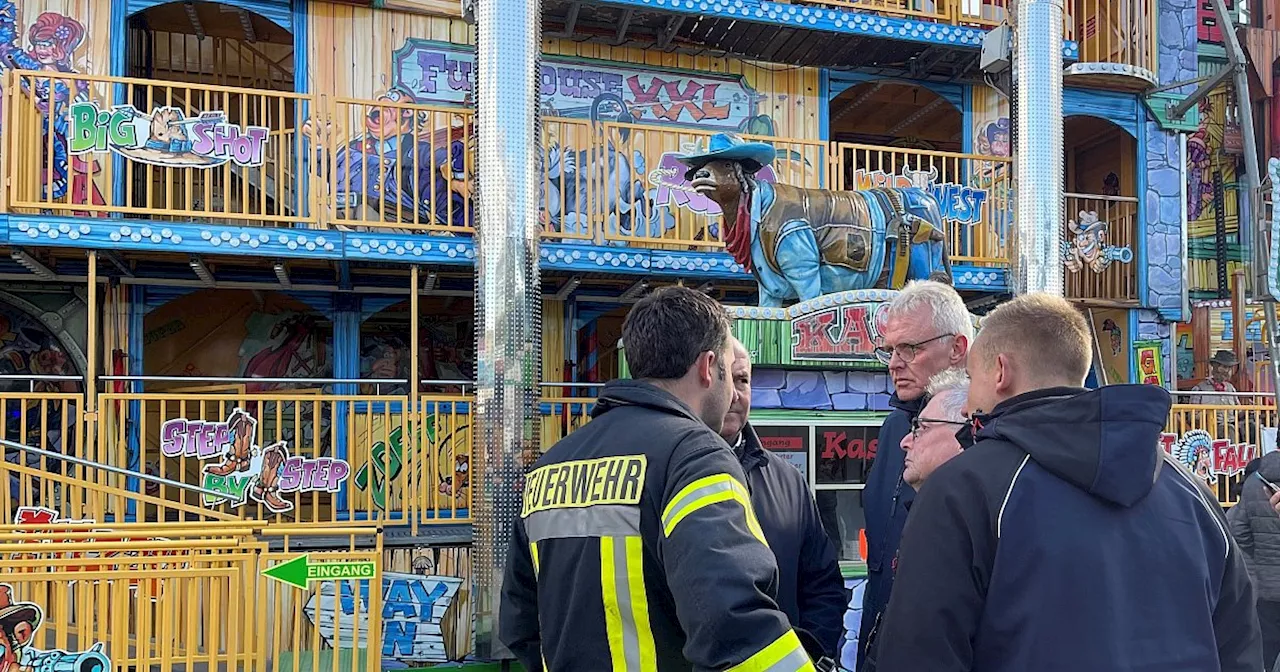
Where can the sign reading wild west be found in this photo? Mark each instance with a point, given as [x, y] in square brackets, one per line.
[248, 470]
[438, 72]
[165, 138]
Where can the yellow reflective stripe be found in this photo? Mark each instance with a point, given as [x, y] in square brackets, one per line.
[533, 553]
[705, 492]
[785, 654]
[612, 612]
[640, 604]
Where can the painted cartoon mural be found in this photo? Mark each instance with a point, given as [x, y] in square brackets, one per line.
[19, 623]
[1088, 247]
[54, 40]
[1208, 458]
[449, 477]
[803, 243]
[1213, 246]
[427, 615]
[247, 470]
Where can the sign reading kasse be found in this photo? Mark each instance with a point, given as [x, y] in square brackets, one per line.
[844, 333]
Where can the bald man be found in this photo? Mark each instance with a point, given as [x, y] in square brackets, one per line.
[1064, 538]
[810, 586]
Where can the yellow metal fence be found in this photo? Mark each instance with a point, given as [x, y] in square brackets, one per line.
[190, 597]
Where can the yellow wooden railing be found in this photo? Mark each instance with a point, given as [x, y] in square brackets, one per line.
[1241, 427]
[1101, 246]
[1121, 32]
[358, 164]
[972, 190]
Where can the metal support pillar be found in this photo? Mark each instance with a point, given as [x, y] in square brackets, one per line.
[415, 415]
[1037, 141]
[508, 291]
[91, 346]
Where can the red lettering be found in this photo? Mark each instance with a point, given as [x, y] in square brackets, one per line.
[871, 448]
[833, 445]
[1167, 441]
[856, 449]
[856, 338]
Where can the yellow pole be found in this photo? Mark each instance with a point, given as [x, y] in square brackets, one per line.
[91, 356]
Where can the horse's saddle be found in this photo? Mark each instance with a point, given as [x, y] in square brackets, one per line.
[842, 223]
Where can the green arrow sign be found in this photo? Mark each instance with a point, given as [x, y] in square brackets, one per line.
[298, 572]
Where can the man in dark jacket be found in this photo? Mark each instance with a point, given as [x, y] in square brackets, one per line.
[1256, 527]
[927, 330]
[1065, 538]
[637, 547]
[810, 587]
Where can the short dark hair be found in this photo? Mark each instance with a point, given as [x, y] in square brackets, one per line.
[667, 330]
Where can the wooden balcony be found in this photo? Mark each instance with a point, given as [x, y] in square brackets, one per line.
[1100, 248]
[1117, 43]
[170, 152]
[401, 467]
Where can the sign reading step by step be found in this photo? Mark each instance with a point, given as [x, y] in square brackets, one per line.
[300, 571]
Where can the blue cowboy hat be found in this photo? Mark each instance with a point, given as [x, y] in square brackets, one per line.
[730, 147]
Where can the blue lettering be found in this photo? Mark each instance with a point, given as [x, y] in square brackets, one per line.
[398, 601]
[612, 83]
[397, 637]
[427, 601]
[547, 78]
[569, 78]
[347, 598]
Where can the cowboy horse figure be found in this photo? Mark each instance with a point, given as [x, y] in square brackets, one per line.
[803, 243]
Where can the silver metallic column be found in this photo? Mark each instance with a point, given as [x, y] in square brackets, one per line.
[1037, 147]
[508, 298]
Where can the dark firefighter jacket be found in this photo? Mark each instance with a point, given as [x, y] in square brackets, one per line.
[810, 587]
[885, 501]
[638, 551]
[1066, 539]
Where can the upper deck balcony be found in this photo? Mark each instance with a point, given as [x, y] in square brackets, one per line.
[165, 152]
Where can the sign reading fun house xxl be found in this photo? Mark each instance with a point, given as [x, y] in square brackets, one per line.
[439, 72]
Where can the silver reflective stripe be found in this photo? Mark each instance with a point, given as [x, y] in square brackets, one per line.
[630, 637]
[603, 520]
[674, 510]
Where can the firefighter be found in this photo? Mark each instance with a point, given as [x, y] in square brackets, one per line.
[637, 548]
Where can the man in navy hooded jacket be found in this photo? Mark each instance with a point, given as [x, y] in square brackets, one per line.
[810, 587]
[1064, 538]
[927, 330]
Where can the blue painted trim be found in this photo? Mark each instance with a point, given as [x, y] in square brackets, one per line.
[980, 278]
[346, 364]
[1140, 168]
[842, 81]
[119, 51]
[137, 346]
[277, 11]
[824, 110]
[1122, 109]
[966, 109]
[1133, 336]
[119, 234]
[848, 22]
[301, 40]
[1171, 314]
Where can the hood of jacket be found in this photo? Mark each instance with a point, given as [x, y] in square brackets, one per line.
[617, 393]
[1104, 441]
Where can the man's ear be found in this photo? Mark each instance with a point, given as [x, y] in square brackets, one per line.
[706, 365]
[959, 349]
[1003, 373]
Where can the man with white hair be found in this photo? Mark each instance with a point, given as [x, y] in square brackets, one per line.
[927, 331]
[1064, 538]
[932, 439]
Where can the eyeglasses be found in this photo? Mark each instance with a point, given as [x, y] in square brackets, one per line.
[905, 351]
[918, 425]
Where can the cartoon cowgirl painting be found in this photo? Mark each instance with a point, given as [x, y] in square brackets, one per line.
[54, 39]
